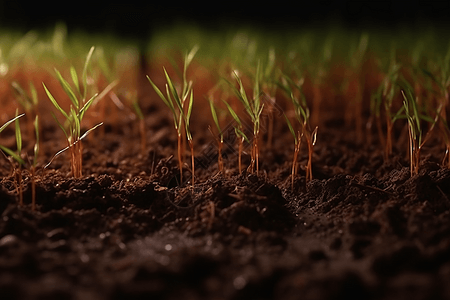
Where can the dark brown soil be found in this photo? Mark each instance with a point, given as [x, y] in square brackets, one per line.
[362, 229]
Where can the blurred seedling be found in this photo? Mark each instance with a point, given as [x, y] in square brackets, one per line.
[74, 117]
[302, 115]
[181, 108]
[384, 97]
[29, 102]
[415, 130]
[219, 139]
[253, 108]
[17, 171]
[239, 130]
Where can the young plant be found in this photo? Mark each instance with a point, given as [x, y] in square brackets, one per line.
[15, 155]
[219, 139]
[180, 112]
[416, 138]
[74, 116]
[238, 129]
[254, 108]
[302, 115]
[297, 140]
[28, 101]
[34, 163]
[385, 97]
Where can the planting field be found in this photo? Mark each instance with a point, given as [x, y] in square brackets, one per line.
[225, 165]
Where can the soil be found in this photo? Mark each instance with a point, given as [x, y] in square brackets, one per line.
[363, 228]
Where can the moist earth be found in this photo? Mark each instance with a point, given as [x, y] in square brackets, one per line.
[130, 228]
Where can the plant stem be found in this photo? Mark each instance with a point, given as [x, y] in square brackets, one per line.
[33, 188]
[294, 164]
[220, 159]
[191, 145]
[180, 161]
[241, 146]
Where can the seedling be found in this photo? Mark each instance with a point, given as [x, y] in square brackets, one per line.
[302, 115]
[297, 140]
[254, 108]
[16, 155]
[179, 108]
[385, 97]
[75, 115]
[416, 139]
[33, 165]
[238, 129]
[28, 101]
[219, 139]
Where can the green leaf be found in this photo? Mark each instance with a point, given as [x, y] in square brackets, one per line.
[214, 115]
[73, 74]
[86, 107]
[34, 94]
[188, 116]
[233, 113]
[84, 74]
[18, 133]
[12, 154]
[163, 98]
[55, 104]
[76, 125]
[60, 126]
[10, 121]
[291, 129]
[241, 134]
[173, 91]
[67, 89]
[138, 110]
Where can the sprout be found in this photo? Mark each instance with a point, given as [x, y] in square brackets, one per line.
[416, 139]
[303, 117]
[254, 108]
[15, 155]
[75, 115]
[178, 108]
[220, 139]
[238, 129]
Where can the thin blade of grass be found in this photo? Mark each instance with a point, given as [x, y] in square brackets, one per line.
[67, 89]
[12, 154]
[55, 104]
[291, 129]
[10, 121]
[84, 74]
[73, 74]
[18, 133]
[86, 106]
[36, 145]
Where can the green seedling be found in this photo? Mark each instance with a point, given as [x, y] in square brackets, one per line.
[74, 117]
[416, 138]
[28, 101]
[219, 139]
[33, 165]
[16, 155]
[254, 108]
[297, 140]
[302, 115]
[238, 129]
[180, 112]
[384, 97]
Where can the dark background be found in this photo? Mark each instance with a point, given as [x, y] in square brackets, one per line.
[140, 19]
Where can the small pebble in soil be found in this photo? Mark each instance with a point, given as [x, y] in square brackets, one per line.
[8, 240]
[239, 282]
